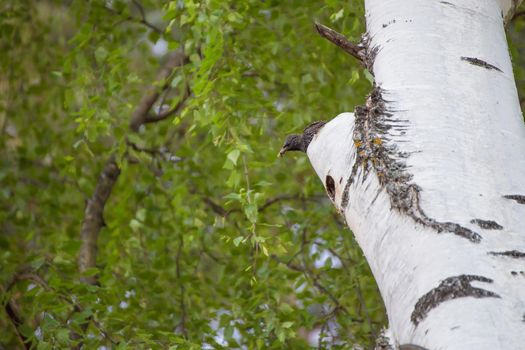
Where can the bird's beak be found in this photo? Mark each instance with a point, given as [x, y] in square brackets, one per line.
[282, 151]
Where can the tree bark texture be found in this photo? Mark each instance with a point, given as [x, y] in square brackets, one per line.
[430, 173]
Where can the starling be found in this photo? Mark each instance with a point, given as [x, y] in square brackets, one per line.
[297, 142]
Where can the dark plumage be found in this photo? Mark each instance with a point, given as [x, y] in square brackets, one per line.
[297, 142]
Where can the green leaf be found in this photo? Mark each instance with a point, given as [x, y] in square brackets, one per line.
[233, 156]
[251, 212]
[337, 16]
[92, 271]
[63, 336]
[141, 214]
[44, 346]
[281, 335]
[287, 324]
[101, 53]
[238, 240]
[135, 225]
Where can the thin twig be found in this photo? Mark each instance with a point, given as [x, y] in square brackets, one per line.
[153, 118]
[141, 115]
[340, 40]
[142, 20]
[182, 323]
[154, 152]
[218, 209]
[141, 9]
[271, 201]
[315, 281]
[26, 273]
[517, 15]
[12, 312]
[322, 335]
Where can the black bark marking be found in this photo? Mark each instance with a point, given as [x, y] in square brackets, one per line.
[389, 23]
[487, 224]
[513, 273]
[510, 253]
[449, 289]
[516, 197]
[447, 3]
[373, 151]
[330, 186]
[346, 191]
[480, 63]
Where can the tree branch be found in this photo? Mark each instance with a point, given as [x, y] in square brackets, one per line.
[141, 114]
[315, 281]
[218, 209]
[271, 201]
[94, 219]
[11, 309]
[153, 118]
[94, 213]
[340, 40]
[517, 15]
[182, 324]
[142, 20]
[26, 273]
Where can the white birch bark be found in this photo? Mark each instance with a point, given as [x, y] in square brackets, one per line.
[430, 174]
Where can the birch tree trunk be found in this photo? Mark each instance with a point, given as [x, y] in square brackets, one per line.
[430, 173]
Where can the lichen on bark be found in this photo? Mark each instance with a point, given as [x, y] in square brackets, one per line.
[374, 150]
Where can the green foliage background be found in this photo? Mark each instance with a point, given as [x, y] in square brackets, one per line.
[210, 241]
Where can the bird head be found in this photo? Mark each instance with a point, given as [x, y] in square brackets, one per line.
[291, 143]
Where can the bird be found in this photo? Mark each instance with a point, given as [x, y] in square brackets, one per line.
[296, 142]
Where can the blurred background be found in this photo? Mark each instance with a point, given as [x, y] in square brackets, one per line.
[170, 115]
